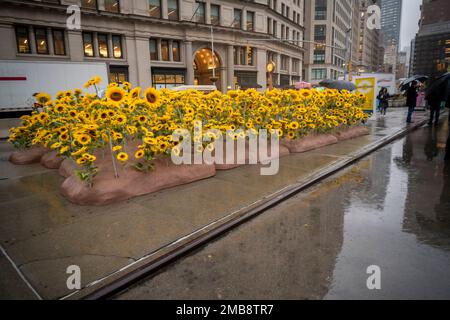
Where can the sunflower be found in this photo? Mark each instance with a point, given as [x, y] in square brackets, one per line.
[135, 93]
[83, 139]
[43, 98]
[152, 96]
[115, 94]
[122, 157]
[294, 125]
[64, 136]
[81, 161]
[139, 154]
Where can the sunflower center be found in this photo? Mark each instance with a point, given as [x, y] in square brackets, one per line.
[116, 96]
[151, 98]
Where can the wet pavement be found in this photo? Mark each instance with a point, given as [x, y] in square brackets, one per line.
[390, 210]
[43, 233]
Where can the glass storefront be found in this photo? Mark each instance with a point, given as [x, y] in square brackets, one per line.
[168, 77]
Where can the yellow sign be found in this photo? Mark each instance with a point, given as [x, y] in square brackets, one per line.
[366, 86]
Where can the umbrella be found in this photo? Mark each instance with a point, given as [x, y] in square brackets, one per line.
[440, 87]
[405, 84]
[338, 84]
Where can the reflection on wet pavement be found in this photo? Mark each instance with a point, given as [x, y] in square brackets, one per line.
[391, 210]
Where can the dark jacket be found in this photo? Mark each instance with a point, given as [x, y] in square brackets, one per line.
[383, 98]
[411, 97]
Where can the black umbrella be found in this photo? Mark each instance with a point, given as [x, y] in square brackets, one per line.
[405, 83]
[338, 84]
[440, 87]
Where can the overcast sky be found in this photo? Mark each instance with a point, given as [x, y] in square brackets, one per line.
[410, 19]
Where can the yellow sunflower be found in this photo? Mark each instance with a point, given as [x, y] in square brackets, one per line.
[139, 154]
[116, 94]
[152, 96]
[122, 157]
[43, 98]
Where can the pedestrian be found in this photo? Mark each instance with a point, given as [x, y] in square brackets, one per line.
[411, 100]
[383, 97]
[434, 102]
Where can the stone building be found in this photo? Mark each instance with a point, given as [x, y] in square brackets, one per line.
[329, 43]
[163, 43]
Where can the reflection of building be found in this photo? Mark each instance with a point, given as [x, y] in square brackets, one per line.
[162, 42]
[329, 25]
[429, 219]
[432, 43]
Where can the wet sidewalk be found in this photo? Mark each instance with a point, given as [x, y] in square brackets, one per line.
[43, 234]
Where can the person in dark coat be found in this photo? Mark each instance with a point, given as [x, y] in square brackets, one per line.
[411, 100]
[435, 105]
[383, 97]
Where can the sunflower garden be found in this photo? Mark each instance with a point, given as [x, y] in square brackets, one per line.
[132, 127]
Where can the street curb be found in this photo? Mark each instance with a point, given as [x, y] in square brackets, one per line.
[155, 261]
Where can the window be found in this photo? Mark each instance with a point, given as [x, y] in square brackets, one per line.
[167, 78]
[237, 22]
[118, 74]
[88, 44]
[172, 7]
[200, 12]
[250, 21]
[117, 46]
[321, 10]
[91, 4]
[319, 56]
[103, 45]
[165, 50]
[318, 74]
[284, 63]
[23, 42]
[112, 5]
[243, 56]
[274, 29]
[41, 40]
[215, 15]
[154, 8]
[153, 50]
[176, 51]
[320, 32]
[59, 42]
[269, 26]
[249, 56]
[295, 65]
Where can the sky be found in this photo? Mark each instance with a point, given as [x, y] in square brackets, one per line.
[410, 20]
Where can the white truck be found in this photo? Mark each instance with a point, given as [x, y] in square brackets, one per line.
[19, 80]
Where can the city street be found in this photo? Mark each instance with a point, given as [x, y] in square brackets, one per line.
[391, 209]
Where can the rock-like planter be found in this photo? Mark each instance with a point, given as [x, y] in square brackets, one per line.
[310, 142]
[131, 183]
[351, 133]
[51, 160]
[67, 168]
[27, 156]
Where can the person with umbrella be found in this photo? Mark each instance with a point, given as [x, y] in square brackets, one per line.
[411, 100]
[438, 92]
[383, 97]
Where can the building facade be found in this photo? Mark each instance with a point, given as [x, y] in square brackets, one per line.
[432, 44]
[163, 43]
[328, 38]
[391, 20]
[369, 41]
